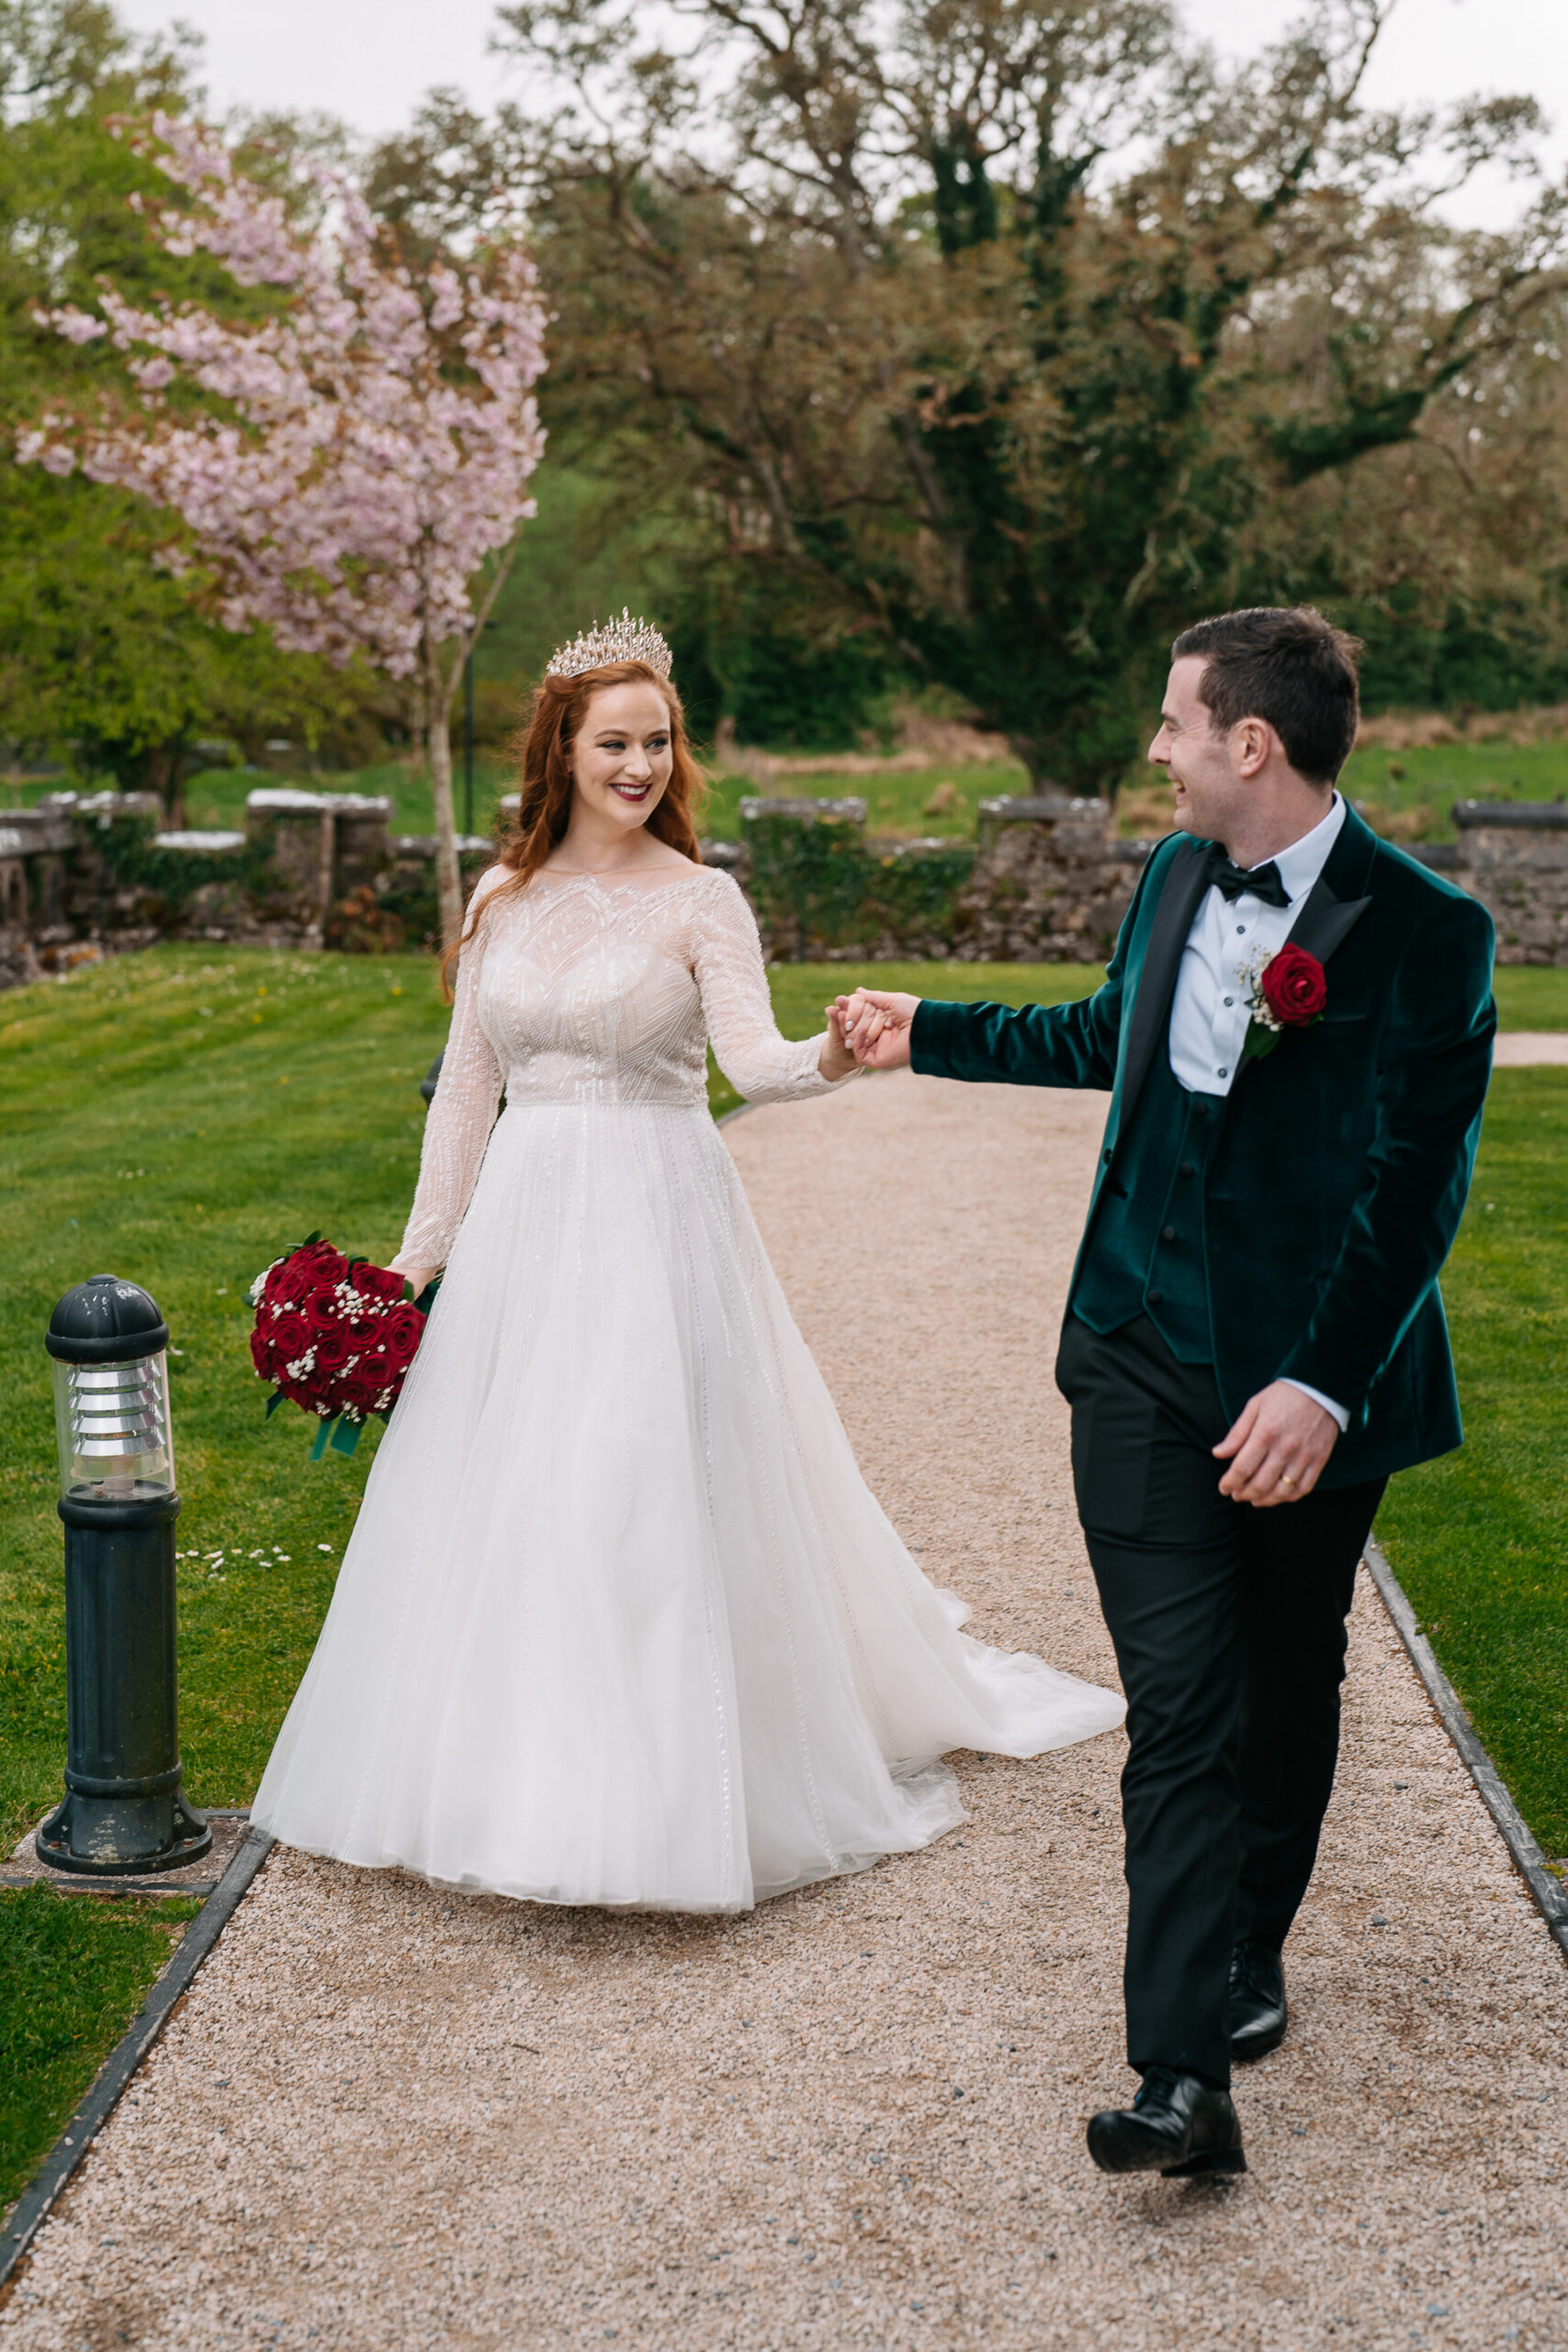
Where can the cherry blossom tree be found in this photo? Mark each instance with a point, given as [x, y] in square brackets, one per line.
[347, 459]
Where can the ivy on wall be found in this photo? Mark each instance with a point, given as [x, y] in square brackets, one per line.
[820, 887]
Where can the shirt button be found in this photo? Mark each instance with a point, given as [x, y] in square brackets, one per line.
[1230, 999]
[1222, 1073]
[1168, 1234]
[1241, 931]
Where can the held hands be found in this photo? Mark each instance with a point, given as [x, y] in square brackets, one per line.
[836, 1058]
[1278, 1447]
[875, 1023]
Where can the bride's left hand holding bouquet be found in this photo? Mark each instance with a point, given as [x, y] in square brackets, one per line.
[337, 1336]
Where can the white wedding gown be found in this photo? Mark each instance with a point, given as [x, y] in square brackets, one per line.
[620, 1622]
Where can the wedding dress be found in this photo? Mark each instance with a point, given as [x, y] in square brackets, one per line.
[620, 1622]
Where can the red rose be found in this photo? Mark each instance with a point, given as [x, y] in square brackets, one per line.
[261, 1352]
[321, 1262]
[334, 1350]
[290, 1283]
[323, 1310]
[359, 1392]
[1294, 988]
[402, 1331]
[291, 1336]
[379, 1281]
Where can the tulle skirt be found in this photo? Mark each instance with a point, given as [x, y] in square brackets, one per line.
[620, 1622]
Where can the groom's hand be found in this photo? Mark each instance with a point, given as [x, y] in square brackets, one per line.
[876, 1027]
[1278, 1447]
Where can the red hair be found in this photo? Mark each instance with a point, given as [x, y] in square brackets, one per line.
[558, 714]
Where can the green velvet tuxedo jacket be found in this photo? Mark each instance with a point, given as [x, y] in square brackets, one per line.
[1336, 1188]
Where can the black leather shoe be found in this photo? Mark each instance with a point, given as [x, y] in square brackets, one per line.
[1259, 2014]
[1177, 2126]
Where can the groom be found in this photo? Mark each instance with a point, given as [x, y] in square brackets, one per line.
[1254, 1339]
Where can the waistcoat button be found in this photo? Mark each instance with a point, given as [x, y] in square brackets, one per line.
[1156, 1297]
[1168, 1234]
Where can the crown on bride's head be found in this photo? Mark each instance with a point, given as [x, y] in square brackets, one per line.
[622, 640]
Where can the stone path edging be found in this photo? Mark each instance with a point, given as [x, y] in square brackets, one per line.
[114, 2076]
[1549, 1891]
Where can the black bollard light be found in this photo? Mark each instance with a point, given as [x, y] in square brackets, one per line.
[125, 1811]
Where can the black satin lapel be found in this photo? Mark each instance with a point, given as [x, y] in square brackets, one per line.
[1179, 899]
[1324, 920]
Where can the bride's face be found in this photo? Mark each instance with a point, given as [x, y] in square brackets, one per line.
[621, 758]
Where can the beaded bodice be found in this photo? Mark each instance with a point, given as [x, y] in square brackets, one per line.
[582, 990]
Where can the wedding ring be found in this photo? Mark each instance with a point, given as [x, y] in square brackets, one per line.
[1286, 1479]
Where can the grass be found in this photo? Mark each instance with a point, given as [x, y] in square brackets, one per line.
[72, 1973]
[1477, 1539]
[179, 1117]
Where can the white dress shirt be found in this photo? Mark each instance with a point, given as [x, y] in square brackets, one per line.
[1229, 940]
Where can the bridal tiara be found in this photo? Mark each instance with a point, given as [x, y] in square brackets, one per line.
[622, 640]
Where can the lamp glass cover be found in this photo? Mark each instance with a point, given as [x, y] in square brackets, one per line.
[113, 1430]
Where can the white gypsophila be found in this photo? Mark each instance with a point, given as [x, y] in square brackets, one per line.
[254, 1295]
[1258, 1004]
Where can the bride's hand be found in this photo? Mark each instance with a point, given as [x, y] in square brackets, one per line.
[418, 1277]
[835, 1060]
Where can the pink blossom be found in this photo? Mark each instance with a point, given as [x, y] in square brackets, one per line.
[379, 433]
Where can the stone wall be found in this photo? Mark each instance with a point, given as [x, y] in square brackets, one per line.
[1513, 856]
[1042, 881]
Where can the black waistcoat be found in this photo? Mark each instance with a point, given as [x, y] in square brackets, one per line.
[1146, 1255]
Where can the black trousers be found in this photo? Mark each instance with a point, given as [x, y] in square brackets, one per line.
[1229, 1627]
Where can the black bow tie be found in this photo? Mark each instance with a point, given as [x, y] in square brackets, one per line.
[1263, 881]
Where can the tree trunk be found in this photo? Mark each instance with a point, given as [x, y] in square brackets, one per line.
[439, 692]
[449, 878]
[165, 776]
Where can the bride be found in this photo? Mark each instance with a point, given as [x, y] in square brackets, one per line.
[620, 1622]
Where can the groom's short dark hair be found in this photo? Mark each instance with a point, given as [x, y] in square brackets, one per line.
[1287, 664]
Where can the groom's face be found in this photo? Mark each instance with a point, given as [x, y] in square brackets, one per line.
[1199, 757]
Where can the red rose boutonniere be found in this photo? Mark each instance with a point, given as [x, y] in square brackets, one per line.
[1289, 991]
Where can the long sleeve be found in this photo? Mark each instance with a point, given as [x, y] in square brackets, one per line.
[759, 1063]
[456, 1128]
[1071, 1045]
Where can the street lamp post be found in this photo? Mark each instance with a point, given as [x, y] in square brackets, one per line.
[125, 1811]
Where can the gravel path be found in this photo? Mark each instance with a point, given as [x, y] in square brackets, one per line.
[387, 2116]
[1526, 1048]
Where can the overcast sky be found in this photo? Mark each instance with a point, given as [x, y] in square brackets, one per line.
[369, 61]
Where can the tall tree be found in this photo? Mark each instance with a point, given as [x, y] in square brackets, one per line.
[962, 310]
[104, 658]
[343, 465]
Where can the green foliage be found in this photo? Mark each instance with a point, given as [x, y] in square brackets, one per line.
[73, 1971]
[129, 848]
[1020, 415]
[107, 659]
[1476, 1539]
[822, 885]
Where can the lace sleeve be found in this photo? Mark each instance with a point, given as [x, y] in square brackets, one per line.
[458, 1125]
[758, 1062]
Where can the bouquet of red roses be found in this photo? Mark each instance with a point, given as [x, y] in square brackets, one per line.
[337, 1335]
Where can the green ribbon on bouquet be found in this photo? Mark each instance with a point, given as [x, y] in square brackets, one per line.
[338, 1431]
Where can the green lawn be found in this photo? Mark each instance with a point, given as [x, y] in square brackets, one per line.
[72, 1973]
[1478, 1539]
[180, 1116]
